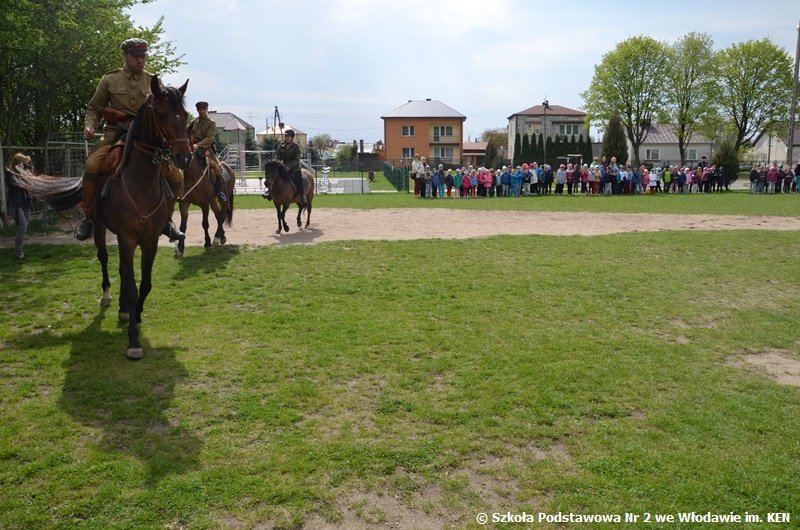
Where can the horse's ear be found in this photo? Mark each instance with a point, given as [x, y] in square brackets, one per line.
[182, 89]
[155, 85]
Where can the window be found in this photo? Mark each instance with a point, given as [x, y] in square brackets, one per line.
[691, 154]
[568, 129]
[652, 154]
[408, 152]
[407, 130]
[442, 130]
[443, 152]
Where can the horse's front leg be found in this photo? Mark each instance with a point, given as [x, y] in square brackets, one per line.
[207, 242]
[102, 256]
[308, 214]
[148, 258]
[278, 215]
[180, 244]
[128, 297]
[299, 213]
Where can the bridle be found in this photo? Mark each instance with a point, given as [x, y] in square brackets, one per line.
[160, 153]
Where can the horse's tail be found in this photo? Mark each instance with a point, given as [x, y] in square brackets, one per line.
[230, 190]
[60, 193]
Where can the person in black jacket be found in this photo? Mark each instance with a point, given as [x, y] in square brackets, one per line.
[18, 199]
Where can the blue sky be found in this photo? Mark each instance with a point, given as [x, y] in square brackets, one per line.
[336, 66]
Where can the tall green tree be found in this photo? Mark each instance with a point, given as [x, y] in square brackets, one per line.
[755, 82]
[525, 152]
[53, 55]
[614, 143]
[517, 150]
[692, 86]
[728, 158]
[629, 81]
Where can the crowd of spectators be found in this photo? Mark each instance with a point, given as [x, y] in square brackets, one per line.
[774, 178]
[601, 177]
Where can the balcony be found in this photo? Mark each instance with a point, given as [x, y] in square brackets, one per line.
[444, 140]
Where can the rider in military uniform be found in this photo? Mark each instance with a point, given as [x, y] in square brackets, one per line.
[202, 131]
[116, 102]
[289, 154]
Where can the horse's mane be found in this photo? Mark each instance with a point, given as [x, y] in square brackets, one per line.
[279, 168]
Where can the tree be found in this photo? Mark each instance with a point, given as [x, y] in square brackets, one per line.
[52, 57]
[346, 153]
[728, 158]
[692, 88]
[517, 150]
[525, 152]
[491, 155]
[320, 143]
[630, 81]
[614, 143]
[755, 82]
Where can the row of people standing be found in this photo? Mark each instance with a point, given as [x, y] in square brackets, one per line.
[774, 178]
[601, 177]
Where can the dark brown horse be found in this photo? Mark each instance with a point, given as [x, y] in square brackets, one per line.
[283, 192]
[136, 207]
[199, 189]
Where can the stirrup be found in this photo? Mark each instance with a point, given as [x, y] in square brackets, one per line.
[84, 229]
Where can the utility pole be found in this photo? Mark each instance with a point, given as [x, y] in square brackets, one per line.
[792, 114]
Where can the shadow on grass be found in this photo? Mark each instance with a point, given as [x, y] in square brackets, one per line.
[199, 260]
[126, 400]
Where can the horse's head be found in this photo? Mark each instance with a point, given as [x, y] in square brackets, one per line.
[275, 169]
[171, 116]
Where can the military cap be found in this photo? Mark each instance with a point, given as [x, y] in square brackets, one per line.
[201, 105]
[289, 132]
[134, 46]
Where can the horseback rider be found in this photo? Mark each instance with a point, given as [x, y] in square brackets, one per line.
[116, 102]
[202, 131]
[289, 154]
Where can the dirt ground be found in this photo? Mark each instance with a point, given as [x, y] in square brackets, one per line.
[257, 227]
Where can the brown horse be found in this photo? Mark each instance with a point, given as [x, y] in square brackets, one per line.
[136, 207]
[199, 189]
[283, 192]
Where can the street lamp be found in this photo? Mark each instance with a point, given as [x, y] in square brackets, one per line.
[546, 105]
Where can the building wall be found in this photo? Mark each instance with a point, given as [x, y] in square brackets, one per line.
[423, 141]
[669, 153]
[529, 124]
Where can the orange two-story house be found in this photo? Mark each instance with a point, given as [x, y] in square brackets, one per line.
[428, 128]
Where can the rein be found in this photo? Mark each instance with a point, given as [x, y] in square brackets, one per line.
[159, 156]
[190, 190]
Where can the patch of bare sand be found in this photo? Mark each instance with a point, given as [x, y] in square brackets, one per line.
[780, 366]
[257, 227]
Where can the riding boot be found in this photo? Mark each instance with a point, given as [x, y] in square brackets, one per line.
[172, 232]
[86, 225]
[300, 185]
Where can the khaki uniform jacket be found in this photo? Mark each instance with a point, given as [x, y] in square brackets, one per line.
[289, 155]
[119, 89]
[202, 132]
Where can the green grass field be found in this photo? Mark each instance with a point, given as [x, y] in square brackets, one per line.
[411, 384]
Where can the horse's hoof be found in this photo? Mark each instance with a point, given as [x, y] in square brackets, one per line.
[124, 316]
[223, 240]
[134, 354]
[105, 301]
[216, 241]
